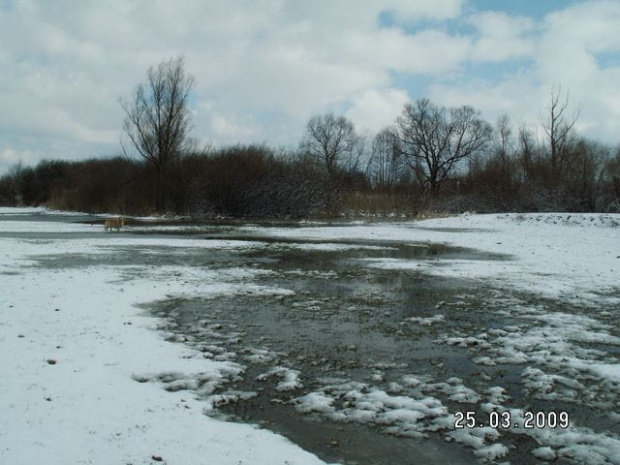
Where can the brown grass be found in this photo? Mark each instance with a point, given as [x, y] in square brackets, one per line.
[389, 205]
[378, 205]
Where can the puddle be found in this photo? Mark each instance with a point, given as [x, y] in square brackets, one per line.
[350, 323]
[332, 328]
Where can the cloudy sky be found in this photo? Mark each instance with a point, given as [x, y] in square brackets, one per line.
[264, 67]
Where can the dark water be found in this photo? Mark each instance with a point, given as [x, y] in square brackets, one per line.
[351, 322]
[345, 325]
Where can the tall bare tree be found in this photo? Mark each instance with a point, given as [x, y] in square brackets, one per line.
[558, 128]
[331, 139]
[384, 166]
[158, 119]
[503, 142]
[504, 151]
[433, 140]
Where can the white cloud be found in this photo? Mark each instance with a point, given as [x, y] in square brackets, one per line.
[574, 38]
[10, 158]
[566, 54]
[264, 67]
[494, 100]
[375, 109]
[231, 131]
[394, 49]
[593, 23]
[345, 14]
[502, 37]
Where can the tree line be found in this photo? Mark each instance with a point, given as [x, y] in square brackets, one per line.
[430, 158]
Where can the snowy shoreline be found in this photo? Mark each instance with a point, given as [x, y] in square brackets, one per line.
[75, 340]
[559, 255]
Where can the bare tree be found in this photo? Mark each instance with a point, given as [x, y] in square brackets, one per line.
[503, 142]
[331, 139]
[433, 140]
[558, 128]
[504, 151]
[384, 166]
[610, 184]
[359, 154]
[158, 118]
[529, 151]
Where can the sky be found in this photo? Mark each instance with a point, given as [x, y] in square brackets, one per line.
[263, 68]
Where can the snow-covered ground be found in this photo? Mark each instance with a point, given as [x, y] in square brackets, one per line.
[75, 343]
[72, 342]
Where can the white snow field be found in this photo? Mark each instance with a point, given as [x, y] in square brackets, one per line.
[71, 340]
[75, 342]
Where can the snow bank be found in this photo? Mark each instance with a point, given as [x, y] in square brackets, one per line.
[21, 211]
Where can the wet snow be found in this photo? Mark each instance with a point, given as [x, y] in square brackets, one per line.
[120, 391]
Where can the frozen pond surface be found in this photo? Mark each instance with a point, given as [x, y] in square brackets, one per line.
[360, 359]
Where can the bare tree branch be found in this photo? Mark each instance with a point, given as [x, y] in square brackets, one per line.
[330, 138]
[558, 128]
[432, 140]
[157, 121]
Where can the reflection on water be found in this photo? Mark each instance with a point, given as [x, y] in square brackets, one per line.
[344, 321]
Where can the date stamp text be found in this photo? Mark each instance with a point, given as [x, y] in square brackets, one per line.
[504, 420]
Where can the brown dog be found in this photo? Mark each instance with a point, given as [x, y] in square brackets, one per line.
[114, 223]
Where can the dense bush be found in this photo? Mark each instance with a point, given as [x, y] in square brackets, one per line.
[242, 181]
[251, 182]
